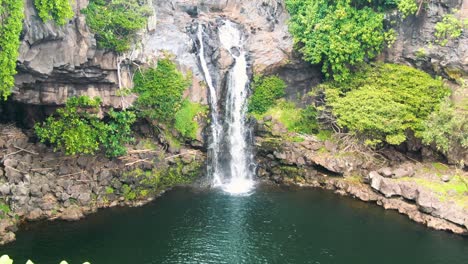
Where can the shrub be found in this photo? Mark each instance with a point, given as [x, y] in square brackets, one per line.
[160, 91]
[338, 34]
[11, 24]
[116, 22]
[307, 122]
[58, 10]
[78, 129]
[383, 102]
[447, 128]
[449, 28]
[266, 90]
[407, 7]
[185, 119]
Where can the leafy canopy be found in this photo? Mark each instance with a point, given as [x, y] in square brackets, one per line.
[337, 34]
[77, 128]
[58, 10]
[116, 22]
[11, 24]
[384, 101]
[266, 90]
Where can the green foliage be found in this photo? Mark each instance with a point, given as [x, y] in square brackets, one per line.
[116, 22]
[266, 90]
[185, 119]
[407, 7]
[383, 102]
[4, 209]
[338, 34]
[292, 117]
[78, 129]
[449, 28]
[109, 190]
[390, 37]
[447, 128]
[160, 91]
[161, 178]
[117, 132]
[307, 122]
[58, 10]
[11, 24]
[421, 53]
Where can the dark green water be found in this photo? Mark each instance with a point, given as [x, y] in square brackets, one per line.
[270, 226]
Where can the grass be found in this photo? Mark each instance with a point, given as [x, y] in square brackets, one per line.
[185, 118]
[456, 189]
[285, 112]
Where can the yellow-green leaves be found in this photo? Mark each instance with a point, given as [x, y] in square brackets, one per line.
[382, 103]
[11, 17]
[449, 28]
[58, 10]
[407, 7]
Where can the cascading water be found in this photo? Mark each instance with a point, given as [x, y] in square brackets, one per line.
[236, 176]
[216, 128]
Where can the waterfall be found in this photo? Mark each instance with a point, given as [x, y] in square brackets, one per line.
[216, 128]
[235, 176]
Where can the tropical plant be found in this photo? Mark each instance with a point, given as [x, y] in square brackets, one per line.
[116, 22]
[58, 10]
[384, 101]
[160, 91]
[447, 128]
[266, 90]
[449, 28]
[78, 129]
[337, 34]
[11, 24]
[407, 7]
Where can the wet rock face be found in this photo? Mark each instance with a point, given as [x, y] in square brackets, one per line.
[415, 44]
[57, 62]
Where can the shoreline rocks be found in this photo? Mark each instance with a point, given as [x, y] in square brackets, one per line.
[39, 184]
[398, 187]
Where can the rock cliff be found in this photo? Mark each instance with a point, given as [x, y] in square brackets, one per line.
[57, 62]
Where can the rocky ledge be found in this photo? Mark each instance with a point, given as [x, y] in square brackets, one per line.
[429, 193]
[39, 184]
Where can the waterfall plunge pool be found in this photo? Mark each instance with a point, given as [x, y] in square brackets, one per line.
[272, 225]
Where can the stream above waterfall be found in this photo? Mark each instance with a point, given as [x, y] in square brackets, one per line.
[271, 225]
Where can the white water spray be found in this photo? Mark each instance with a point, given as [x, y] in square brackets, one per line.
[241, 180]
[240, 177]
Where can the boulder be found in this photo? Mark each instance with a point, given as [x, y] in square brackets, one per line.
[72, 213]
[386, 172]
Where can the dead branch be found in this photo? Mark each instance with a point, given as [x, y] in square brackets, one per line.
[189, 152]
[137, 161]
[139, 151]
[71, 174]
[25, 150]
